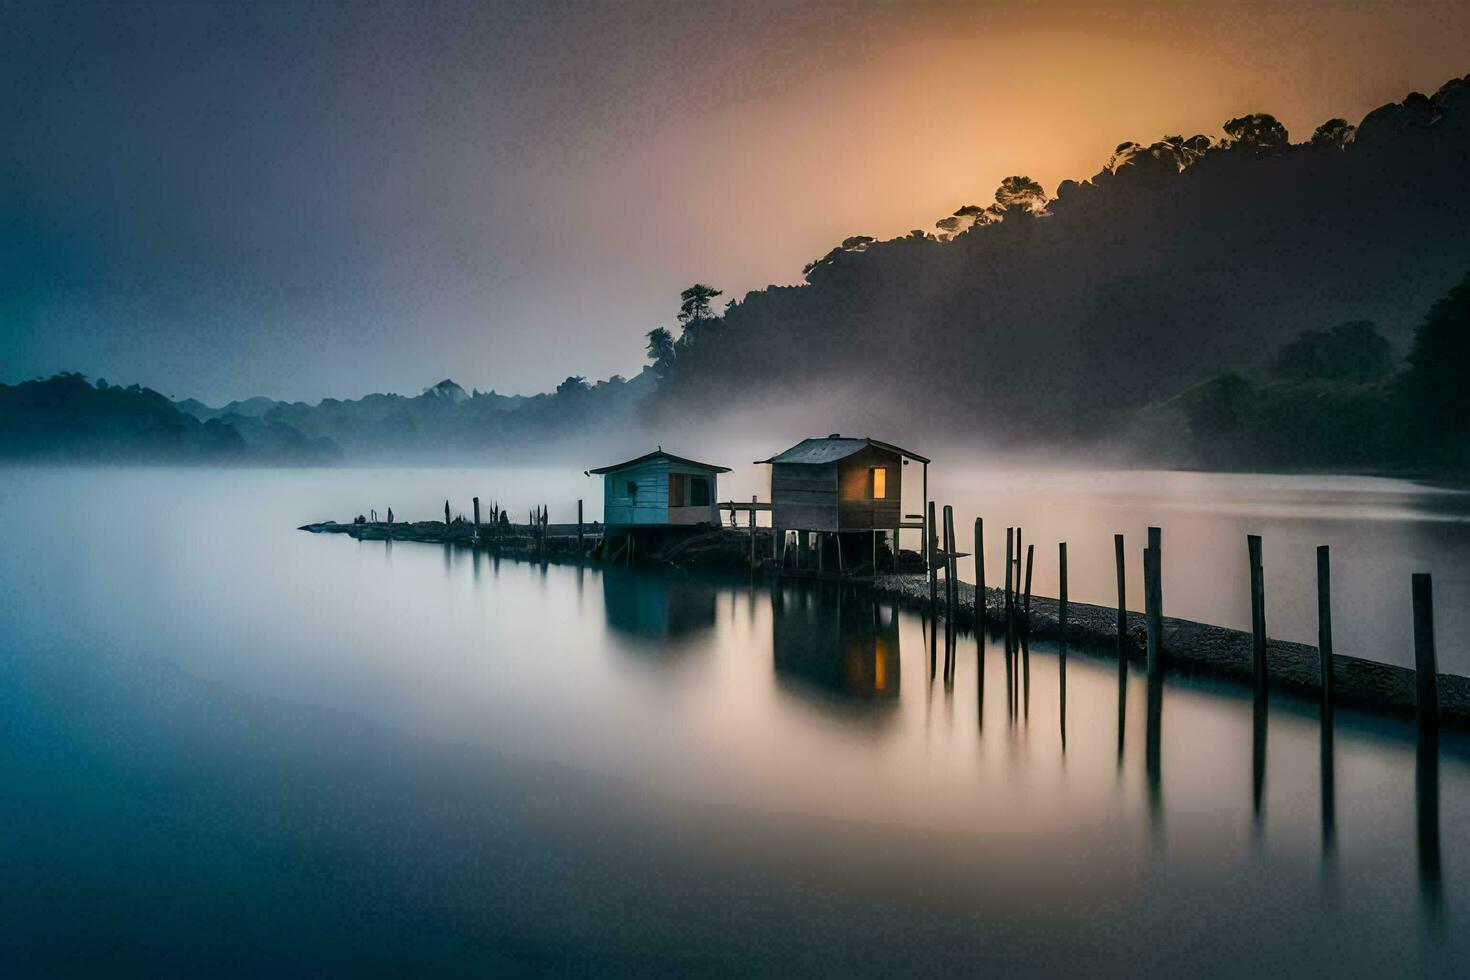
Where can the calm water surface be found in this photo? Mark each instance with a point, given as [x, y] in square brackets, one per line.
[229, 747]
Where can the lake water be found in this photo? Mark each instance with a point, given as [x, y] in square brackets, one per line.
[228, 747]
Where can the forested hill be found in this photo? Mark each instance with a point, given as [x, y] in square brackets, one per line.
[1062, 315]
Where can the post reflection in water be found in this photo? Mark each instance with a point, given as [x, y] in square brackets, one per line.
[1426, 786]
[1152, 741]
[980, 675]
[1026, 671]
[1122, 705]
[950, 655]
[1010, 680]
[1258, 758]
[930, 627]
[1328, 751]
[835, 640]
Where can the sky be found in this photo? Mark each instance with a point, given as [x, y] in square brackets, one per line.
[306, 200]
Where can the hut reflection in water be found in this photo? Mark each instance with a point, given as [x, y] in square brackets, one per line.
[834, 638]
[656, 607]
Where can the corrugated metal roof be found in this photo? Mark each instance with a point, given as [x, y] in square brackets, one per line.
[815, 452]
[659, 454]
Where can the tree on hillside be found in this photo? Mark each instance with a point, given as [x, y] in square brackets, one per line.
[660, 349]
[1016, 194]
[573, 386]
[1335, 133]
[694, 304]
[963, 219]
[1256, 133]
[1353, 351]
[1439, 364]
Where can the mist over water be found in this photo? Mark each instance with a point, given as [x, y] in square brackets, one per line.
[378, 758]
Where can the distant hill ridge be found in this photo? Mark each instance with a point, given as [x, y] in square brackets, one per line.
[1059, 316]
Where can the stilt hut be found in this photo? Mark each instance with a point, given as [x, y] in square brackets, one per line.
[842, 484]
[659, 489]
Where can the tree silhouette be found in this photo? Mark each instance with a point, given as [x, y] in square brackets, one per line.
[661, 350]
[1335, 133]
[1257, 132]
[1439, 364]
[1353, 351]
[694, 303]
[1020, 194]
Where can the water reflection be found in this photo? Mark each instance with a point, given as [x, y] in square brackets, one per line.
[1426, 786]
[1328, 768]
[653, 608]
[1258, 756]
[833, 639]
[1153, 738]
[1122, 704]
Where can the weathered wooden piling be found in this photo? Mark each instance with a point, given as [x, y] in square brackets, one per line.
[446, 513]
[1153, 597]
[1062, 634]
[752, 532]
[980, 576]
[1020, 552]
[951, 593]
[1426, 676]
[1122, 641]
[1122, 601]
[477, 518]
[931, 546]
[1258, 613]
[1026, 636]
[1026, 605]
[581, 532]
[1010, 599]
[1324, 630]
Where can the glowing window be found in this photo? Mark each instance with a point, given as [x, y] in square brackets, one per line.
[880, 482]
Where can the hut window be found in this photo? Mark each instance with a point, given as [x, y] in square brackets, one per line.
[677, 482]
[699, 491]
[880, 482]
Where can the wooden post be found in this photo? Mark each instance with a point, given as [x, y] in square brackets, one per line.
[951, 565]
[924, 508]
[477, 518]
[446, 515]
[820, 556]
[1026, 636]
[929, 548]
[1153, 571]
[752, 532]
[1258, 613]
[1026, 607]
[979, 578]
[1019, 553]
[1010, 566]
[1122, 601]
[1324, 631]
[1062, 637]
[1426, 676]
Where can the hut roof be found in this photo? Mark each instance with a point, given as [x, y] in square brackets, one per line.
[816, 452]
[659, 454]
